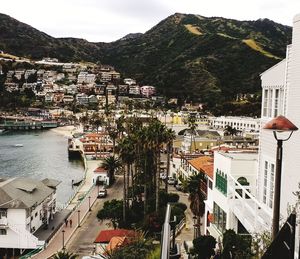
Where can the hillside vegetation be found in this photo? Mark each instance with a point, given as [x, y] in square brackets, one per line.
[190, 57]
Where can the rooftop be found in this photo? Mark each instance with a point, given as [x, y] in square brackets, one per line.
[23, 193]
[106, 235]
[240, 155]
[204, 164]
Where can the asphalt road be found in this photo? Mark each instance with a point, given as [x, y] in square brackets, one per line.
[82, 242]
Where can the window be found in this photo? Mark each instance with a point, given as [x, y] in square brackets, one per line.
[265, 182]
[210, 184]
[219, 218]
[271, 195]
[265, 103]
[221, 182]
[268, 187]
[3, 232]
[276, 103]
[3, 213]
[270, 103]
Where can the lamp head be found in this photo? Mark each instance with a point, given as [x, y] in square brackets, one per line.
[280, 124]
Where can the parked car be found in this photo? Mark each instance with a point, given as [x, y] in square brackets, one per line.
[179, 187]
[171, 180]
[102, 193]
[163, 176]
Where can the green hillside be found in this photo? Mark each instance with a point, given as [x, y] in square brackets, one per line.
[191, 57]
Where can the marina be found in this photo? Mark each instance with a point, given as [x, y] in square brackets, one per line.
[38, 156]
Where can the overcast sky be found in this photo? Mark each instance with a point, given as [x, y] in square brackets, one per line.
[109, 20]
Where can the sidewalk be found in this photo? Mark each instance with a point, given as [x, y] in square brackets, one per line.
[56, 243]
[54, 225]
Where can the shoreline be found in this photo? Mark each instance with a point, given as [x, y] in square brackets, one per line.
[66, 131]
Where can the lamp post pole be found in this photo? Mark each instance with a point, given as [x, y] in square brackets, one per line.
[63, 239]
[277, 189]
[89, 203]
[278, 124]
[78, 211]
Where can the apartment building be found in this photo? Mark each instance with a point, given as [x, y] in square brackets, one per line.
[245, 124]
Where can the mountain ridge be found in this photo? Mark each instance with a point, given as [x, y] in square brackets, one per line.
[192, 57]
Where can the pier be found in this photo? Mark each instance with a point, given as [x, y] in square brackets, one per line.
[28, 125]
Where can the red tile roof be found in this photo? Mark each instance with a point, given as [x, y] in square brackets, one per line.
[100, 170]
[204, 164]
[106, 235]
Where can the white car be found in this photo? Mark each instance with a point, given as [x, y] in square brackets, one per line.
[171, 180]
[102, 193]
[163, 176]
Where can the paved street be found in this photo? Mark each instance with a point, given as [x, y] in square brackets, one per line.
[65, 232]
[187, 233]
[82, 242]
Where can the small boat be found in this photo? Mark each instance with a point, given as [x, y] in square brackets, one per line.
[77, 183]
[18, 145]
[2, 131]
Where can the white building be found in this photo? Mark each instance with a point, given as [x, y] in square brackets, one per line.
[25, 205]
[281, 96]
[134, 90]
[129, 81]
[232, 200]
[248, 208]
[147, 90]
[85, 77]
[240, 123]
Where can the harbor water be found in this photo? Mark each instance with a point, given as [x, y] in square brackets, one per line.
[39, 155]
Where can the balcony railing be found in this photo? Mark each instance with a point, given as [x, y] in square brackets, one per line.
[246, 207]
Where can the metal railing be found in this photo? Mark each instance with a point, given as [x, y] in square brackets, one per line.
[165, 238]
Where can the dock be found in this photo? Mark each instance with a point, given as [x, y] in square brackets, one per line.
[28, 125]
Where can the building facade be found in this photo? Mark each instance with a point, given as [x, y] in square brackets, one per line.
[25, 206]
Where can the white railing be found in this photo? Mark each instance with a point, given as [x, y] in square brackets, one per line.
[246, 207]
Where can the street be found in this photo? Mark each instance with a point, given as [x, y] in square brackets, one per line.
[82, 241]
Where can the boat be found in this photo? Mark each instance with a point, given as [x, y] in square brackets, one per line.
[77, 183]
[18, 145]
[2, 131]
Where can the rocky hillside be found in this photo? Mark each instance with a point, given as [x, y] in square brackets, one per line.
[187, 56]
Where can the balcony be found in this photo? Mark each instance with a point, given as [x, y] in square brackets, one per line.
[248, 210]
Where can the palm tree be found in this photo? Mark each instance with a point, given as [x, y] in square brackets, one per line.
[192, 127]
[111, 164]
[113, 133]
[64, 255]
[230, 131]
[96, 121]
[170, 136]
[196, 199]
[156, 137]
[126, 153]
[84, 120]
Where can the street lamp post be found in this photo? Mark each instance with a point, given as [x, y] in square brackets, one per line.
[89, 203]
[277, 125]
[63, 239]
[78, 211]
[195, 226]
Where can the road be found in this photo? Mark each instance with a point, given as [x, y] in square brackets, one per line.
[186, 233]
[82, 241]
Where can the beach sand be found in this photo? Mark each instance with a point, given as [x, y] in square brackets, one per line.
[67, 131]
